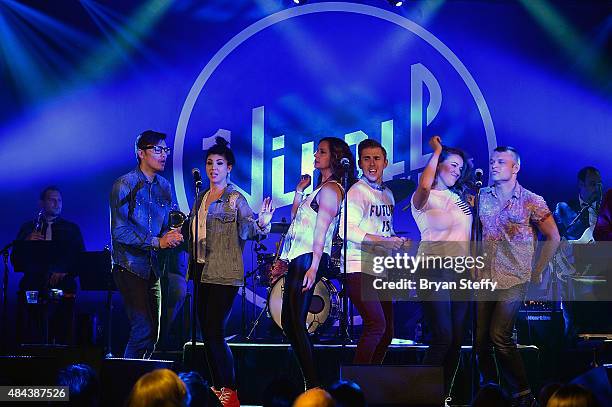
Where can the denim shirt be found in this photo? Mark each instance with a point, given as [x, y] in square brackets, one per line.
[229, 223]
[139, 217]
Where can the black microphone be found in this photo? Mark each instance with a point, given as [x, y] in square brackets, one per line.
[345, 162]
[197, 177]
[478, 173]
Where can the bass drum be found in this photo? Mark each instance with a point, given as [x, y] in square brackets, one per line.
[325, 304]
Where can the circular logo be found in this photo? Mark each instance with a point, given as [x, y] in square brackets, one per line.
[352, 70]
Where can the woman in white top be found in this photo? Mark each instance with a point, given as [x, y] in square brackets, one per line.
[308, 245]
[444, 220]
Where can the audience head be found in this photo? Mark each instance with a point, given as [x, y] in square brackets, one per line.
[572, 395]
[347, 394]
[280, 393]
[83, 385]
[159, 388]
[198, 391]
[314, 398]
[547, 391]
[491, 395]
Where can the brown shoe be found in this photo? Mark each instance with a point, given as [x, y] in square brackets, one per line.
[229, 397]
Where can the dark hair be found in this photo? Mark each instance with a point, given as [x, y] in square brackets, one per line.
[280, 392]
[347, 394]
[572, 395]
[460, 186]
[147, 138]
[338, 150]
[221, 147]
[582, 174]
[43, 194]
[490, 395]
[82, 383]
[369, 143]
[546, 392]
[198, 393]
[509, 149]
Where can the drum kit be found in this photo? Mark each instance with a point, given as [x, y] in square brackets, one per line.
[325, 306]
[270, 273]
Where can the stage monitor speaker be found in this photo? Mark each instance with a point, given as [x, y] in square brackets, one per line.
[119, 375]
[408, 385]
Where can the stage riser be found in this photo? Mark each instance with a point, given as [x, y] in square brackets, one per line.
[257, 366]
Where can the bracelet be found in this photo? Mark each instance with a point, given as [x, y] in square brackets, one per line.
[299, 192]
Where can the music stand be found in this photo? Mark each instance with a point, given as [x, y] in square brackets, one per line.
[95, 274]
[37, 259]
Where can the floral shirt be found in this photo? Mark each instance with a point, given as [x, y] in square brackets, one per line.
[509, 233]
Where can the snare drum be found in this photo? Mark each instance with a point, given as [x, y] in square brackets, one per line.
[325, 305]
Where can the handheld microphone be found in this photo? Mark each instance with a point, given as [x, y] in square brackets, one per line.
[478, 173]
[197, 177]
[345, 162]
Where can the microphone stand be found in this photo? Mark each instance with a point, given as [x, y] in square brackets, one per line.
[344, 322]
[5, 256]
[196, 270]
[477, 240]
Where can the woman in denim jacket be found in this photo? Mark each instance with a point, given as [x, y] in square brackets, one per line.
[225, 222]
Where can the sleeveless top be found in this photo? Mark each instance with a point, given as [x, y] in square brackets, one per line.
[300, 236]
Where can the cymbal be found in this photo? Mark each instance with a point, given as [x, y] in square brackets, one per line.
[401, 188]
[279, 227]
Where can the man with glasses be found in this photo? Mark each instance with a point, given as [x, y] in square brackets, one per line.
[139, 203]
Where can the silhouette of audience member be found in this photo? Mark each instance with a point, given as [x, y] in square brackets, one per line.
[199, 393]
[572, 395]
[280, 393]
[347, 394]
[315, 397]
[491, 395]
[547, 391]
[83, 385]
[161, 387]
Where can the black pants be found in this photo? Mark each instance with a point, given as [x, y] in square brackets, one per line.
[295, 309]
[445, 313]
[142, 302]
[494, 325]
[214, 308]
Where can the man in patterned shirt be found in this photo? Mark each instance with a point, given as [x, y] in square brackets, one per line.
[510, 216]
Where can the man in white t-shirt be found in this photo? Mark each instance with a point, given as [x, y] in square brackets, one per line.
[370, 222]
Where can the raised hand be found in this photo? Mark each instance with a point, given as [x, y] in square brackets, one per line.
[436, 143]
[304, 183]
[266, 212]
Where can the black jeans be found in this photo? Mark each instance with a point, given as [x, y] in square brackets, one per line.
[494, 325]
[294, 311]
[214, 308]
[377, 318]
[142, 302]
[445, 314]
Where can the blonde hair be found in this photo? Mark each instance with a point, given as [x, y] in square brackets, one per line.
[159, 388]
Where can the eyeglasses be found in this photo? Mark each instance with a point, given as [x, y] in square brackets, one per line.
[158, 149]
